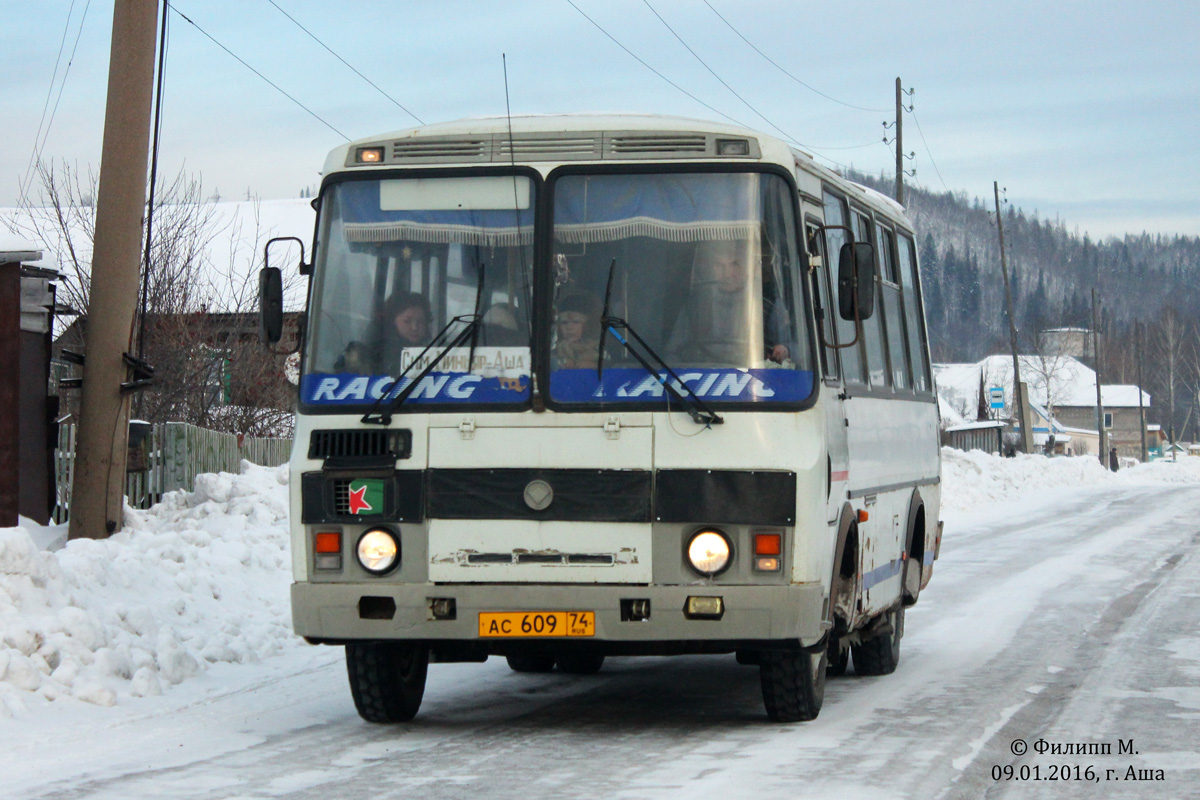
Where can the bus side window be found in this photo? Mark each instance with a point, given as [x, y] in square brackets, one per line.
[877, 365]
[914, 312]
[893, 315]
[822, 293]
[850, 357]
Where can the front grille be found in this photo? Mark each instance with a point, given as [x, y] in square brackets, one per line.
[541, 558]
[490, 558]
[360, 443]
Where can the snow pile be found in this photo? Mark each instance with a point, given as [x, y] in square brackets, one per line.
[970, 479]
[200, 578]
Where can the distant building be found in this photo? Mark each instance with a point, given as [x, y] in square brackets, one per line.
[1062, 386]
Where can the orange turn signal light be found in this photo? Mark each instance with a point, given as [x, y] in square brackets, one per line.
[863, 515]
[329, 542]
[767, 544]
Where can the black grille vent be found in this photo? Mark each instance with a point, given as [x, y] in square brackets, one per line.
[360, 443]
[341, 498]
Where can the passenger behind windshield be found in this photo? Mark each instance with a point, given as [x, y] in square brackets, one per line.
[723, 317]
[577, 332]
[405, 324]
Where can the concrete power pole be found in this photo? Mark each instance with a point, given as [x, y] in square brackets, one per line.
[1018, 397]
[97, 496]
[1141, 406]
[899, 143]
[1099, 398]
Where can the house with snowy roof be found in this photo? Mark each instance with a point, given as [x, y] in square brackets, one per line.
[1061, 386]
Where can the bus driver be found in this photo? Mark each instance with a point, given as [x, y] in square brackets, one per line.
[724, 302]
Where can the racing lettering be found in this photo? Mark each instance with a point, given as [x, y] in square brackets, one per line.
[325, 389]
[463, 387]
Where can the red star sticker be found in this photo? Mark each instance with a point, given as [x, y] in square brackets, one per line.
[358, 501]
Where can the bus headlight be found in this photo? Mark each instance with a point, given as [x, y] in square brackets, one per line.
[709, 552]
[378, 550]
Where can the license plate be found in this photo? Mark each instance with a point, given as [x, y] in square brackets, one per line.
[537, 623]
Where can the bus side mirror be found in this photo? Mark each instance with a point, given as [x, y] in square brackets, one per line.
[856, 281]
[270, 305]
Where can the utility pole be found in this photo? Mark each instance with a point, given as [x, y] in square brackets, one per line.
[899, 143]
[1137, 349]
[1018, 399]
[1099, 399]
[97, 496]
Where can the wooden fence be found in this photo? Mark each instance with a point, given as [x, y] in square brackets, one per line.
[175, 453]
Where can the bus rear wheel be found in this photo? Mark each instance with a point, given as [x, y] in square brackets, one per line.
[387, 679]
[881, 654]
[793, 683]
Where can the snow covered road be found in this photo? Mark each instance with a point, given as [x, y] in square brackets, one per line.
[1068, 618]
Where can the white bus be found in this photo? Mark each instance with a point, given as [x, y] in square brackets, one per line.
[585, 386]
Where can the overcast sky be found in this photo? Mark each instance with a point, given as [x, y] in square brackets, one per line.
[1087, 111]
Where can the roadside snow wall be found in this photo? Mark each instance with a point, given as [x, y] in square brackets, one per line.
[200, 578]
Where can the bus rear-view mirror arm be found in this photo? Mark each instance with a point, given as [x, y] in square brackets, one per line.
[270, 293]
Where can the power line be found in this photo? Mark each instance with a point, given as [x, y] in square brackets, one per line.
[39, 146]
[927, 151]
[784, 71]
[712, 72]
[652, 69]
[614, 40]
[347, 63]
[275, 86]
[49, 92]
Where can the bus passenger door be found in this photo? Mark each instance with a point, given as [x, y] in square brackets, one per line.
[838, 463]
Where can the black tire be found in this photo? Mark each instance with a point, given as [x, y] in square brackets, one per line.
[880, 655]
[911, 580]
[387, 679]
[838, 657]
[530, 663]
[793, 684]
[580, 663]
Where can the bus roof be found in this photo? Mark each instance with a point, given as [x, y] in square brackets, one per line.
[422, 141]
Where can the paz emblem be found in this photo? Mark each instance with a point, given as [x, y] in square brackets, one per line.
[538, 495]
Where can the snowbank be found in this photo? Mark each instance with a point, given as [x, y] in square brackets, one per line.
[200, 578]
[203, 578]
[971, 479]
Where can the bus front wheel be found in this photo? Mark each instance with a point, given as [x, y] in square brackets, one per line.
[387, 679]
[793, 683]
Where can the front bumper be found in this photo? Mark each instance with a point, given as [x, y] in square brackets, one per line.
[789, 615]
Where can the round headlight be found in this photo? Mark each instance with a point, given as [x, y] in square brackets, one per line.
[709, 552]
[378, 551]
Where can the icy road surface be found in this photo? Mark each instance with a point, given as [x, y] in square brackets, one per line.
[1069, 618]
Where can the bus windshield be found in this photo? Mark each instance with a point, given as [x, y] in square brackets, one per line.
[399, 260]
[704, 267]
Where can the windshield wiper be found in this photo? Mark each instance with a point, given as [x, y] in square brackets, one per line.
[700, 413]
[471, 331]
